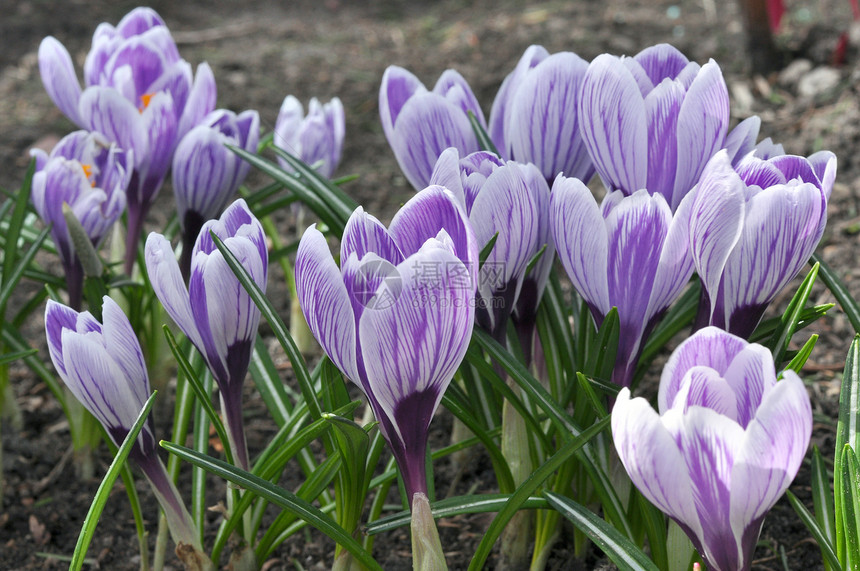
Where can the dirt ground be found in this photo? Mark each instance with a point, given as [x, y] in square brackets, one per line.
[262, 51]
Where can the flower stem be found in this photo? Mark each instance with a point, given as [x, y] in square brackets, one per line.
[427, 554]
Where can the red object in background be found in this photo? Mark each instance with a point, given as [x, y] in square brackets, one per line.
[775, 10]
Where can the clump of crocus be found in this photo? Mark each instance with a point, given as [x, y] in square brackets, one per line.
[138, 92]
[316, 139]
[534, 117]
[214, 311]
[396, 317]
[752, 228]
[727, 442]
[630, 252]
[90, 175]
[102, 365]
[652, 121]
[420, 124]
[206, 174]
[510, 199]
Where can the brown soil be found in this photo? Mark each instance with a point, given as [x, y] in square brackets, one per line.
[262, 51]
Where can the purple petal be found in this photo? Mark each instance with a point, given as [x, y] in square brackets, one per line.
[710, 443]
[59, 78]
[499, 114]
[771, 453]
[783, 225]
[364, 234]
[169, 287]
[761, 173]
[455, 89]
[143, 60]
[662, 106]
[415, 345]
[398, 86]
[613, 124]
[124, 348]
[203, 169]
[138, 21]
[427, 125]
[676, 261]
[652, 459]
[579, 232]
[661, 61]
[105, 110]
[446, 172]
[750, 374]
[201, 100]
[429, 211]
[543, 127]
[703, 122]
[325, 302]
[709, 347]
[106, 40]
[741, 140]
[716, 222]
[159, 120]
[57, 318]
[704, 387]
[824, 165]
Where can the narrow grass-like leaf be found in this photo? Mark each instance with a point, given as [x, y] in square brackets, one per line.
[449, 507]
[203, 397]
[623, 552]
[846, 434]
[788, 322]
[679, 316]
[333, 196]
[484, 140]
[16, 223]
[840, 291]
[280, 330]
[9, 357]
[105, 487]
[655, 529]
[487, 250]
[601, 355]
[269, 384]
[799, 360]
[16, 272]
[529, 487]
[808, 316]
[851, 507]
[587, 388]
[822, 501]
[278, 496]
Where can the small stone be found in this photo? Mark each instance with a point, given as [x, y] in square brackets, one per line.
[792, 74]
[818, 81]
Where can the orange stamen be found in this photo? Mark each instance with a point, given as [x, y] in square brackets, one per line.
[144, 100]
[88, 172]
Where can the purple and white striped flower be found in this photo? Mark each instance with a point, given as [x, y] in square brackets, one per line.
[630, 252]
[534, 117]
[420, 124]
[511, 199]
[206, 174]
[214, 311]
[138, 92]
[727, 442]
[741, 141]
[397, 316]
[102, 365]
[652, 121]
[89, 174]
[316, 139]
[752, 228]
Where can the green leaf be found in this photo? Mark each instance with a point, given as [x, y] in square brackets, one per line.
[269, 383]
[799, 360]
[16, 223]
[449, 507]
[680, 315]
[528, 487]
[280, 330]
[484, 140]
[851, 507]
[840, 292]
[10, 357]
[588, 390]
[278, 496]
[818, 533]
[623, 552]
[101, 497]
[16, 272]
[789, 320]
[808, 316]
[204, 398]
[600, 360]
[487, 250]
[822, 501]
[846, 434]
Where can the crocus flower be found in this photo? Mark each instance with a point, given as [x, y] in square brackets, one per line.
[534, 116]
[138, 92]
[89, 174]
[630, 252]
[652, 121]
[214, 311]
[206, 174]
[727, 442]
[316, 139]
[397, 316]
[102, 365]
[752, 228]
[420, 124]
[512, 200]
